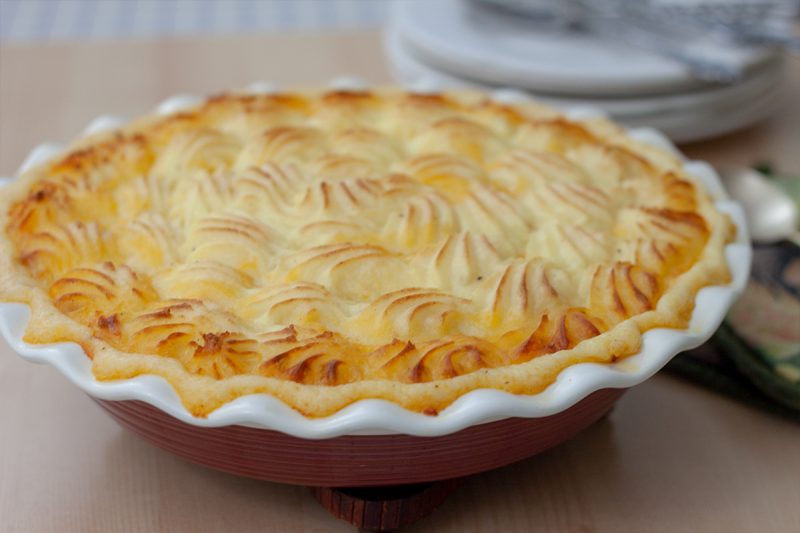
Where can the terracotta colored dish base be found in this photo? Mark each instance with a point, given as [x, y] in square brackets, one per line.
[359, 461]
[385, 508]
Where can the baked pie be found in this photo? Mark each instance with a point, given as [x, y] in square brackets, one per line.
[326, 247]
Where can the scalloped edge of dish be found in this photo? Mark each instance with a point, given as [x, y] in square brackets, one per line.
[381, 417]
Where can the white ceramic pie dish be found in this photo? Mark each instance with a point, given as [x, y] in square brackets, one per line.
[378, 417]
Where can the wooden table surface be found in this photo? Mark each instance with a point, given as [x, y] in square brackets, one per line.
[672, 457]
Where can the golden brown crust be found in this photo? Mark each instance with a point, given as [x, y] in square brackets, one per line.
[329, 247]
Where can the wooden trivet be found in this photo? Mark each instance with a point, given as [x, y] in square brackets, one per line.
[385, 508]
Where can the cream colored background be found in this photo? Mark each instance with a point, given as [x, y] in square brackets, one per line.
[671, 457]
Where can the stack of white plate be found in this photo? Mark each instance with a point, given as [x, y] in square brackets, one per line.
[455, 43]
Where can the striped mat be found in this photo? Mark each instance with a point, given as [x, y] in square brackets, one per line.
[56, 20]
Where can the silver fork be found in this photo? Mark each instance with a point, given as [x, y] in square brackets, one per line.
[750, 22]
[703, 44]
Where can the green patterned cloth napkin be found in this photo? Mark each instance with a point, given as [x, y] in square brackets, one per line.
[755, 355]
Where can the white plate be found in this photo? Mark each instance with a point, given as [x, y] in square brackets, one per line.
[683, 117]
[456, 37]
[383, 417]
[409, 67]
